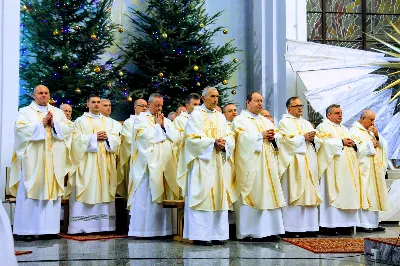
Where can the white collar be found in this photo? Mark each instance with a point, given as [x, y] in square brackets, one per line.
[40, 108]
[333, 124]
[291, 116]
[93, 115]
[206, 109]
[252, 114]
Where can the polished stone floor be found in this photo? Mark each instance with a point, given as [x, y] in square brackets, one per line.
[166, 252]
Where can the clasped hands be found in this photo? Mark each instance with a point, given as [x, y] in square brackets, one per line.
[268, 134]
[348, 142]
[101, 135]
[309, 136]
[374, 130]
[160, 119]
[219, 144]
[48, 120]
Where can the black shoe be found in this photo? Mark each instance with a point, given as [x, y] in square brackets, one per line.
[218, 242]
[247, 239]
[28, 238]
[364, 230]
[202, 243]
[49, 237]
[379, 229]
[346, 231]
[309, 234]
[330, 232]
[272, 238]
[292, 235]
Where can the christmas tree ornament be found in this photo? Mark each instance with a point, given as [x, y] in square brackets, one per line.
[160, 75]
[52, 101]
[97, 69]
[233, 92]
[201, 25]
[225, 31]
[121, 30]
[55, 32]
[195, 68]
[109, 84]
[24, 8]
[64, 67]
[235, 60]
[77, 90]
[94, 37]
[198, 84]
[225, 82]
[76, 27]
[121, 73]
[129, 99]
[164, 35]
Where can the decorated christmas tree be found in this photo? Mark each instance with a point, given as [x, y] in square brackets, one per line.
[174, 54]
[63, 46]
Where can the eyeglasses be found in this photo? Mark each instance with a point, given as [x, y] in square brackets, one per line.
[297, 106]
[141, 105]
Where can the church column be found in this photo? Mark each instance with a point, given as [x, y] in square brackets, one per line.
[9, 82]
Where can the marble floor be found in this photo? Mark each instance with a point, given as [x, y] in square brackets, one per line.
[167, 252]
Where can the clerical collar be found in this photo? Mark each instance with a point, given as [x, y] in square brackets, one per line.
[132, 116]
[148, 112]
[333, 124]
[185, 114]
[291, 116]
[41, 108]
[357, 124]
[252, 114]
[208, 110]
[93, 115]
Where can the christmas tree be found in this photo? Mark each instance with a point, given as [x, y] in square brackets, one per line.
[174, 53]
[63, 46]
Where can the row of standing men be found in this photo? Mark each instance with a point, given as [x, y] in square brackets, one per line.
[290, 179]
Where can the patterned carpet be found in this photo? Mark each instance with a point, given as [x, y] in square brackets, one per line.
[17, 253]
[389, 241]
[329, 245]
[92, 236]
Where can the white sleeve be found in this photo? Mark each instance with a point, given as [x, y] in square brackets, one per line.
[339, 144]
[302, 148]
[168, 133]
[39, 133]
[227, 152]
[92, 147]
[109, 145]
[160, 134]
[57, 132]
[371, 150]
[259, 143]
[206, 155]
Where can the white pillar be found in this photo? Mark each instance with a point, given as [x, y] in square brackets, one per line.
[9, 82]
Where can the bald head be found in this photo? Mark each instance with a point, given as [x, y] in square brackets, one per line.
[367, 118]
[140, 105]
[67, 109]
[105, 108]
[41, 94]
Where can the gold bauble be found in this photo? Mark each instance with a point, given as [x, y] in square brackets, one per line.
[198, 84]
[164, 35]
[225, 31]
[24, 8]
[77, 90]
[160, 74]
[64, 67]
[129, 99]
[52, 101]
[201, 25]
[55, 32]
[121, 30]
[97, 69]
[225, 82]
[109, 84]
[195, 68]
[94, 37]
[121, 73]
[235, 60]
[76, 27]
[233, 92]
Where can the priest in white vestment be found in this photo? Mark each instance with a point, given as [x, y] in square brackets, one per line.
[93, 178]
[209, 145]
[298, 169]
[258, 211]
[125, 149]
[373, 159]
[105, 110]
[340, 177]
[41, 161]
[153, 172]
[230, 112]
[67, 109]
[7, 255]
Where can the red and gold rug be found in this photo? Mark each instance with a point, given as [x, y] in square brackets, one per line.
[329, 245]
[17, 253]
[92, 237]
[388, 241]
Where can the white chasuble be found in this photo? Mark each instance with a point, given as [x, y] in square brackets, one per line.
[41, 161]
[258, 211]
[152, 177]
[93, 178]
[341, 182]
[180, 125]
[124, 157]
[6, 240]
[203, 176]
[298, 169]
[373, 165]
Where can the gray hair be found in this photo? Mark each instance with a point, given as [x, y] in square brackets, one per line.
[207, 89]
[330, 108]
[366, 113]
[154, 95]
[65, 104]
[171, 114]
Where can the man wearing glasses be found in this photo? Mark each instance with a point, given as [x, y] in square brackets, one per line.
[298, 169]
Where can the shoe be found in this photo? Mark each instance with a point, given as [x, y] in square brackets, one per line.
[28, 238]
[379, 229]
[291, 235]
[364, 230]
[247, 239]
[273, 238]
[218, 242]
[49, 237]
[330, 232]
[202, 243]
